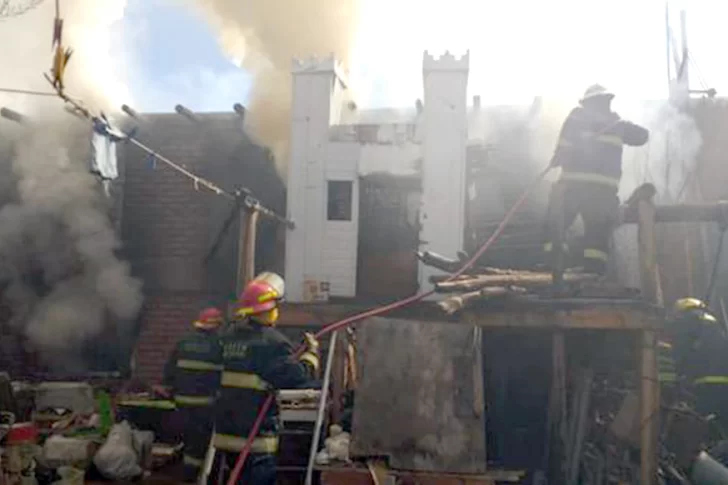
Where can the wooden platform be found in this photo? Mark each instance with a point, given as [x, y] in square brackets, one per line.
[360, 475]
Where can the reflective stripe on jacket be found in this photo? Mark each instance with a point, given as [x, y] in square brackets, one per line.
[666, 369]
[256, 361]
[590, 146]
[193, 370]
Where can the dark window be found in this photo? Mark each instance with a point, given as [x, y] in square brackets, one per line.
[339, 200]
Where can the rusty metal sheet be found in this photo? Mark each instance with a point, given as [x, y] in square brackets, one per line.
[419, 399]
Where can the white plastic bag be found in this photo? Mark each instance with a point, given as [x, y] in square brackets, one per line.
[61, 451]
[117, 459]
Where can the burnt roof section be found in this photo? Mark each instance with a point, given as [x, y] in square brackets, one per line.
[169, 226]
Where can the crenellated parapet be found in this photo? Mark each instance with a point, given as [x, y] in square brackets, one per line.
[446, 62]
[313, 64]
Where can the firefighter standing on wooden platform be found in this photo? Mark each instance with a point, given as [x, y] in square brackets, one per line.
[193, 373]
[257, 360]
[589, 152]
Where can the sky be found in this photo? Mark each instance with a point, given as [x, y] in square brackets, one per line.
[172, 57]
[518, 49]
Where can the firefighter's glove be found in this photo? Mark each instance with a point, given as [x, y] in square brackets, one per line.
[311, 356]
[312, 345]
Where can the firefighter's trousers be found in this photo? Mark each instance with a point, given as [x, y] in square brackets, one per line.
[259, 469]
[198, 422]
[598, 205]
[713, 399]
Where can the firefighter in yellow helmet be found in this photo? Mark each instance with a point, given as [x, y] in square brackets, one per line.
[257, 361]
[589, 152]
[700, 344]
[193, 373]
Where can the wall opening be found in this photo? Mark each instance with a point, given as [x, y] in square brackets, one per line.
[388, 237]
[339, 197]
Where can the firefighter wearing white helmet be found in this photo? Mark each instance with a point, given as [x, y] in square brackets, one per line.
[589, 152]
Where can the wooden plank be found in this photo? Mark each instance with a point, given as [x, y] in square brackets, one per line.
[682, 213]
[351, 475]
[593, 319]
[415, 397]
[519, 279]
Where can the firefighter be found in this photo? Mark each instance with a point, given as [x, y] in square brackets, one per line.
[700, 345]
[589, 152]
[193, 373]
[256, 360]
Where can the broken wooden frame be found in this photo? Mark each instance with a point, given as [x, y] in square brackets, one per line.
[505, 289]
[248, 210]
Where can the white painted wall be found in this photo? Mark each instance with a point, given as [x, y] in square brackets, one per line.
[321, 254]
[313, 85]
[445, 135]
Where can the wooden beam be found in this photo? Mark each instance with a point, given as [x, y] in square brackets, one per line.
[523, 279]
[717, 213]
[593, 319]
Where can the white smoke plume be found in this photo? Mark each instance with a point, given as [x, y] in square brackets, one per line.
[54, 224]
[265, 36]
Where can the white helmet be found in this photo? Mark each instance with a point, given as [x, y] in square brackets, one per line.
[595, 91]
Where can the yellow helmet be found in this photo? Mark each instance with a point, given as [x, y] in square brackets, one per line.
[687, 304]
[697, 308]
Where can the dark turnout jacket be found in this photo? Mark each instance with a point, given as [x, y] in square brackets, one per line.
[256, 361]
[193, 368]
[590, 145]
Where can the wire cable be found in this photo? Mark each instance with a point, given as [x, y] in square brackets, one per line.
[27, 91]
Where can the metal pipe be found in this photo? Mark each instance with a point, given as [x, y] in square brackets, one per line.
[11, 115]
[186, 112]
[129, 111]
[321, 409]
[239, 110]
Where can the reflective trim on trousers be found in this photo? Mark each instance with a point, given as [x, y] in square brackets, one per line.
[667, 377]
[596, 254]
[548, 247]
[244, 380]
[590, 177]
[189, 364]
[712, 380]
[192, 461]
[261, 444]
[194, 400]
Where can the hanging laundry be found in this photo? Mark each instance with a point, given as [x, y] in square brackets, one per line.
[103, 148]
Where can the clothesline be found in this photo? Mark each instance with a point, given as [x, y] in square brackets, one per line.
[27, 91]
[197, 180]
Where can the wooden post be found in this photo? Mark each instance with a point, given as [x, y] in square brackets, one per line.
[337, 381]
[557, 248]
[246, 246]
[649, 387]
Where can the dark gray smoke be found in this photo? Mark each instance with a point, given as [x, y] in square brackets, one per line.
[57, 243]
[61, 275]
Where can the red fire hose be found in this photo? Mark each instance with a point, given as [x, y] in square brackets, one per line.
[240, 462]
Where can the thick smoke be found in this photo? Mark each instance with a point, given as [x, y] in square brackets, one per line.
[265, 36]
[667, 162]
[57, 242]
